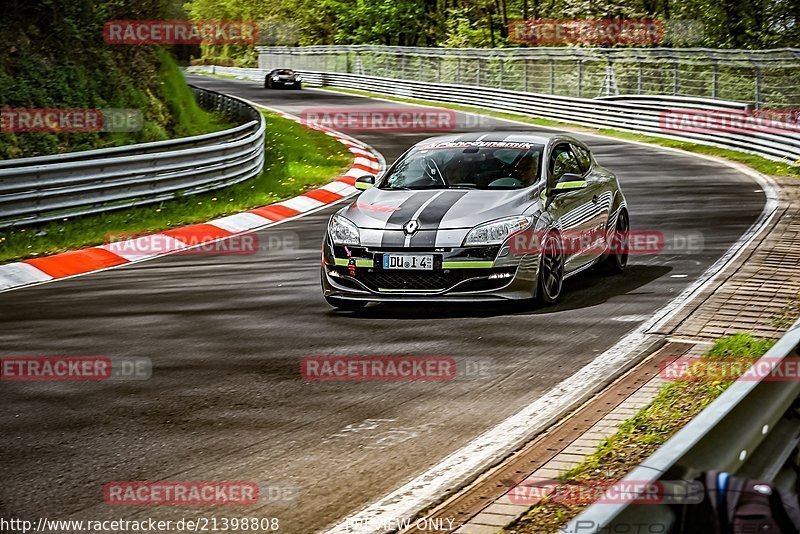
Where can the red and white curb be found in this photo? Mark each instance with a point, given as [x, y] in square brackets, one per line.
[366, 160]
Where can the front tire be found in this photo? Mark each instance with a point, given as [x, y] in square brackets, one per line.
[344, 304]
[267, 84]
[297, 85]
[551, 270]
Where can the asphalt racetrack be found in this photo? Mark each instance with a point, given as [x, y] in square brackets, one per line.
[226, 335]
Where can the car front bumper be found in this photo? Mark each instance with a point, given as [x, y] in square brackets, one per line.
[460, 274]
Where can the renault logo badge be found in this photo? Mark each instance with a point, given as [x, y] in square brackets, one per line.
[411, 227]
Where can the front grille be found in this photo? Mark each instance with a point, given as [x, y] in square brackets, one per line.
[417, 280]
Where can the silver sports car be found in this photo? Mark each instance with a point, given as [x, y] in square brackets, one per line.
[476, 217]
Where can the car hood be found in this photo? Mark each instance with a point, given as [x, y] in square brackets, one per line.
[436, 209]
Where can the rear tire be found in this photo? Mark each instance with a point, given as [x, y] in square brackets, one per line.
[551, 270]
[617, 258]
[344, 304]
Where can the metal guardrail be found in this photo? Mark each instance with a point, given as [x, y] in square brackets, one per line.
[751, 430]
[644, 117]
[763, 78]
[41, 189]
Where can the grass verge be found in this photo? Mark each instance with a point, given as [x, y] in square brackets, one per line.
[758, 163]
[638, 437]
[296, 157]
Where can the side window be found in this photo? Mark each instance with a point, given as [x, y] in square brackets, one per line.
[562, 161]
[584, 158]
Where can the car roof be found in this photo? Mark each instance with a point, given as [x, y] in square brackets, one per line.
[500, 136]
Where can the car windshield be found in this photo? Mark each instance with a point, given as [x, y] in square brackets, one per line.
[467, 165]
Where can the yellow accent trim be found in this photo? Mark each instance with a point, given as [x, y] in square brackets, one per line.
[467, 264]
[362, 186]
[577, 184]
[343, 262]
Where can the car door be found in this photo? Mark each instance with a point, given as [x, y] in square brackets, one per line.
[573, 212]
[601, 197]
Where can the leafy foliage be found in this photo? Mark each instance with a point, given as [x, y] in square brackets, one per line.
[482, 23]
[54, 56]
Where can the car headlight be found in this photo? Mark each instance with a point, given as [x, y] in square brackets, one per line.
[495, 232]
[276, 78]
[343, 232]
[298, 78]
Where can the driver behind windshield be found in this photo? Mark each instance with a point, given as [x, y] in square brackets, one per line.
[527, 170]
[451, 167]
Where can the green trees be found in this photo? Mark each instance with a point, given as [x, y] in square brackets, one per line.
[54, 56]
[481, 23]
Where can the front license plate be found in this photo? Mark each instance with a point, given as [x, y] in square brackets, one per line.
[418, 262]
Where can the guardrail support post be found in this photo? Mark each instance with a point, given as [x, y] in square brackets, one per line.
[525, 75]
[500, 73]
[552, 77]
[478, 74]
[639, 86]
[580, 78]
[715, 82]
[675, 79]
[758, 87]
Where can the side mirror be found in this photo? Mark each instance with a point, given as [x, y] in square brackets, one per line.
[365, 182]
[567, 183]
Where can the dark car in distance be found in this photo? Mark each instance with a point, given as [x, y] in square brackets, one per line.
[282, 78]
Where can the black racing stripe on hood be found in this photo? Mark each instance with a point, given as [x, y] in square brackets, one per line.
[496, 137]
[469, 137]
[432, 216]
[404, 213]
[490, 137]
